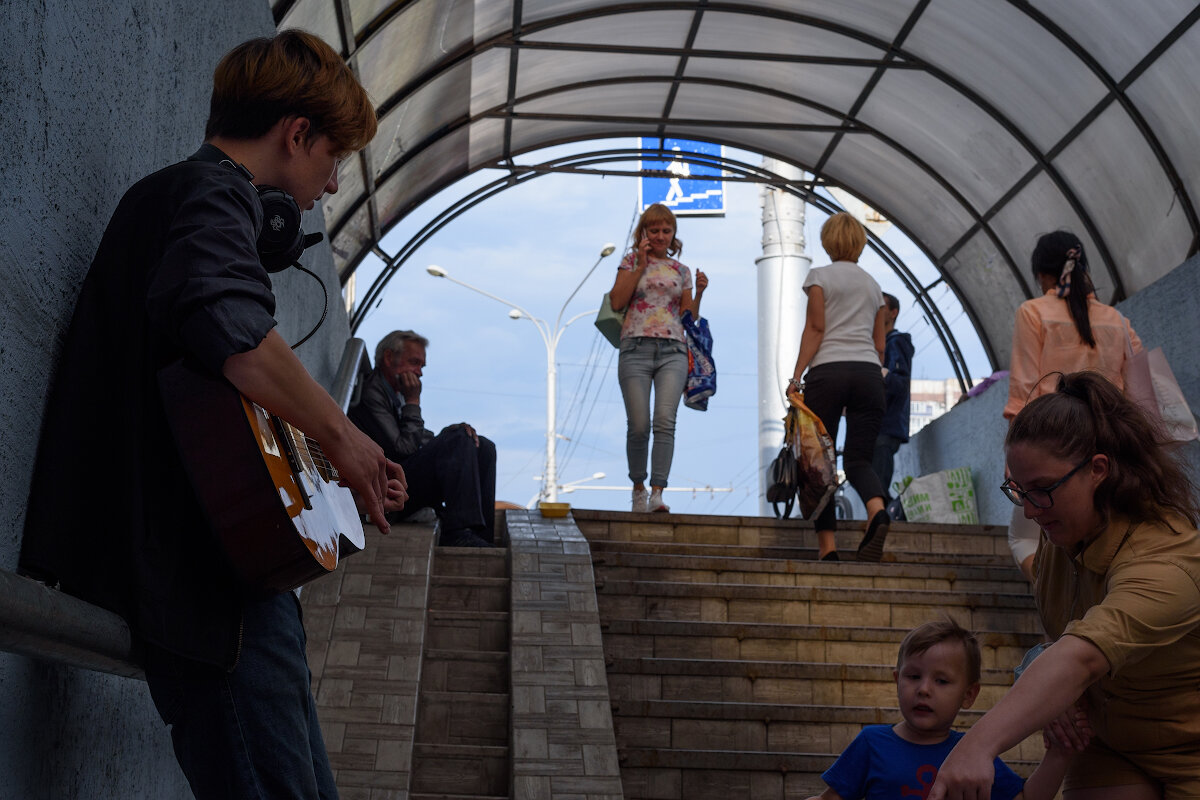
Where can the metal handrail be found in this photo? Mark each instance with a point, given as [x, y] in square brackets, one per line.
[49, 624]
[354, 361]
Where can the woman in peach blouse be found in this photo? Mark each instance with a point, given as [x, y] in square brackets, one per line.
[1065, 330]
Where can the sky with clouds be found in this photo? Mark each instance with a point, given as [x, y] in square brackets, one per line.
[532, 245]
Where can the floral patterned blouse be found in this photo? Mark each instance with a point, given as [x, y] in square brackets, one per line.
[655, 306]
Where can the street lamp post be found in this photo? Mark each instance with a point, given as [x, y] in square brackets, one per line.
[550, 338]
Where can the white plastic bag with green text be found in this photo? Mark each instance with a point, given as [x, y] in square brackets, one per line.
[945, 497]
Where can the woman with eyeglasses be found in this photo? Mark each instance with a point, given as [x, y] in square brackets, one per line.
[1065, 330]
[1118, 590]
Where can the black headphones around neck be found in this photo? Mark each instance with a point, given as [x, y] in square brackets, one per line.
[281, 240]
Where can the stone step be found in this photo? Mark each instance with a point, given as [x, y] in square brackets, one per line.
[814, 605]
[461, 670]
[467, 630]
[640, 638]
[477, 562]
[667, 774]
[460, 770]
[468, 593]
[702, 568]
[463, 718]
[803, 553]
[775, 727]
[903, 538]
[656, 774]
[788, 682]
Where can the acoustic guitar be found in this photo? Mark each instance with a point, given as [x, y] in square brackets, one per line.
[270, 495]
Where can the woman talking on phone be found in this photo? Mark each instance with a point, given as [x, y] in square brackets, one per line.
[655, 290]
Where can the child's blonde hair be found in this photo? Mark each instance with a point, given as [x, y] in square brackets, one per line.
[658, 213]
[926, 635]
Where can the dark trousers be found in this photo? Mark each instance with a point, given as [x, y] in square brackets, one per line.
[456, 479]
[884, 461]
[251, 733]
[857, 387]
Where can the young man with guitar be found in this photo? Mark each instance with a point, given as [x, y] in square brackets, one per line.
[180, 281]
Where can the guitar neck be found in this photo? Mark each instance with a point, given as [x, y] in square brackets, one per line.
[307, 451]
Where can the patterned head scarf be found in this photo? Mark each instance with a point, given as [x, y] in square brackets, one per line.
[1074, 259]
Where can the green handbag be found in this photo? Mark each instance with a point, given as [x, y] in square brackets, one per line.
[609, 322]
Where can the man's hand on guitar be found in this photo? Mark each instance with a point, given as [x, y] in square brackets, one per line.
[362, 466]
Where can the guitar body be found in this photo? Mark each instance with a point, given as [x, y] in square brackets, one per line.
[268, 493]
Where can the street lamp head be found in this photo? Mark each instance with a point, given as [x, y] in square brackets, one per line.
[607, 250]
[598, 476]
[514, 314]
[436, 271]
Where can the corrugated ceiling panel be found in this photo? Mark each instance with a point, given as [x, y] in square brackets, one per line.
[638, 29]
[1015, 64]
[958, 140]
[803, 148]
[353, 238]
[315, 16]
[532, 134]
[433, 168]
[621, 99]
[836, 87]
[718, 103]
[1116, 178]
[489, 80]
[752, 33]
[872, 170]
[881, 20]
[1169, 104]
[418, 37]
[440, 103]
[1117, 35]
[987, 290]
[538, 70]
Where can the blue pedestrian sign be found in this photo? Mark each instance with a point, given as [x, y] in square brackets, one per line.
[688, 189]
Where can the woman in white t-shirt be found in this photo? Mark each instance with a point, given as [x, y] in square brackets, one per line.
[656, 289]
[842, 349]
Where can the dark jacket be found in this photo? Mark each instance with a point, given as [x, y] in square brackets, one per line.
[395, 426]
[897, 357]
[111, 514]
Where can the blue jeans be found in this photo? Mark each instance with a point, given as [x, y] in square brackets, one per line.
[663, 364]
[249, 734]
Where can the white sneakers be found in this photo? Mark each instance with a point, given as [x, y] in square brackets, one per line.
[643, 502]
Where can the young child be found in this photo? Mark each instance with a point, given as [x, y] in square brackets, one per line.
[937, 673]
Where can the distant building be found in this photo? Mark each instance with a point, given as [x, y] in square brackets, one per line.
[931, 399]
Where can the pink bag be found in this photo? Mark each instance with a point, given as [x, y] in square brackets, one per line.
[1151, 384]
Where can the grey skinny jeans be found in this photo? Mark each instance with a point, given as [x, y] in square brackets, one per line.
[662, 363]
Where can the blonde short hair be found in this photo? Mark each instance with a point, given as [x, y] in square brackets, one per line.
[843, 237]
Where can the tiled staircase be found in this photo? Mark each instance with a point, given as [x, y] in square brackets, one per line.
[461, 740]
[739, 666]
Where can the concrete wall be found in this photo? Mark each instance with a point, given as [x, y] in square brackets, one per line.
[94, 97]
[972, 433]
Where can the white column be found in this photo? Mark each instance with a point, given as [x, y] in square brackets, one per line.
[782, 269]
[551, 483]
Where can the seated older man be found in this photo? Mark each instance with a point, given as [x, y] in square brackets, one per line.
[453, 472]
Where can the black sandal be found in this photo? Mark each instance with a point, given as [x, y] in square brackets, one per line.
[871, 547]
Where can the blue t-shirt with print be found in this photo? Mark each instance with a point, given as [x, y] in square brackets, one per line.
[879, 765]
